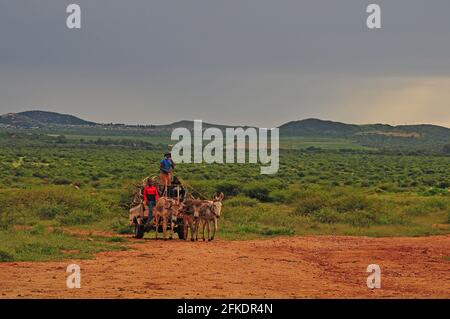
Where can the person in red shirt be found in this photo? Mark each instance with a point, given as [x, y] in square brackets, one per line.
[151, 196]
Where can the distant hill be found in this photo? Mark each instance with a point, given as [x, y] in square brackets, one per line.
[381, 136]
[30, 119]
[318, 128]
[321, 128]
[17, 120]
[52, 118]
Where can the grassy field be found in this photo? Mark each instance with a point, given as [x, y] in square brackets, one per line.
[40, 243]
[49, 184]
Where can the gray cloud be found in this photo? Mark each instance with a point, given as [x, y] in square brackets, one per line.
[258, 62]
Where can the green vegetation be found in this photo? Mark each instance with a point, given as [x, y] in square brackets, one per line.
[40, 243]
[50, 183]
[308, 210]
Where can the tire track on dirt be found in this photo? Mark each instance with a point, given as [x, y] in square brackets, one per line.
[288, 267]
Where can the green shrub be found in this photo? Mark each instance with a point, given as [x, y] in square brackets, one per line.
[327, 216]
[116, 239]
[351, 202]
[40, 248]
[6, 220]
[359, 219]
[281, 196]
[388, 187]
[79, 217]
[241, 201]
[310, 205]
[426, 206]
[37, 229]
[365, 218]
[276, 231]
[121, 226]
[49, 211]
[417, 210]
[253, 228]
[202, 188]
[433, 191]
[62, 181]
[6, 255]
[229, 188]
[64, 204]
[258, 190]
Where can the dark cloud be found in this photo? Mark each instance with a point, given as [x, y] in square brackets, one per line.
[269, 61]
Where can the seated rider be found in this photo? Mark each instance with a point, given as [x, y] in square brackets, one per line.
[151, 195]
[165, 168]
[176, 189]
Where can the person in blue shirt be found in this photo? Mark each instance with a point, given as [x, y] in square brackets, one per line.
[165, 170]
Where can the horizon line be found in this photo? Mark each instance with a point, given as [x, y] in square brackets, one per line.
[225, 124]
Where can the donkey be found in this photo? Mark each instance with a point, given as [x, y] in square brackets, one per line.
[191, 216]
[167, 209]
[210, 212]
[174, 212]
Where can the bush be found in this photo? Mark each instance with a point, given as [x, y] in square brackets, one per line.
[359, 219]
[48, 211]
[388, 187]
[229, 188]
[281, 196]
[427, 206]
[276, 231]
[6, 219]
[121, 226]
[202, 189]
[327, 216]
[64, 204]
[62, 181]
[116, 239]
[37, 229]
[6, 255]
[79, 217]
[241, 201]
[351, 202]
[40, 248]
[365, 218]
[444, 185]
[258, 191]
[417, 211]
[310, 205]
[252, 228]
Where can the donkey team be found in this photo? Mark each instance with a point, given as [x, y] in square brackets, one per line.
[196, 214]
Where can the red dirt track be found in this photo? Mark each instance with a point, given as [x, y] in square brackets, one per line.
[294, 267]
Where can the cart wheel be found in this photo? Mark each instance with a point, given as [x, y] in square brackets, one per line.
[180, 231]
[139, 231]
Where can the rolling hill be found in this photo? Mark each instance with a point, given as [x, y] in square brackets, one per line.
[423, 137]
[318, 128]
[17, 120]
[52, 118]
[321, 128]
[380, 136]
[30, 119]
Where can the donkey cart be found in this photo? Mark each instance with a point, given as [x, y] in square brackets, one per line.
[139, 214]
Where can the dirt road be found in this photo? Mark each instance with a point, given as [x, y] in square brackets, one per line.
[295, 267]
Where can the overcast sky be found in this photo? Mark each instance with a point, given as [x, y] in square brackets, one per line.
[255, 62]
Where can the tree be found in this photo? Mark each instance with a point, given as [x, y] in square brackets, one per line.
[61, 139]
[446, 149]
